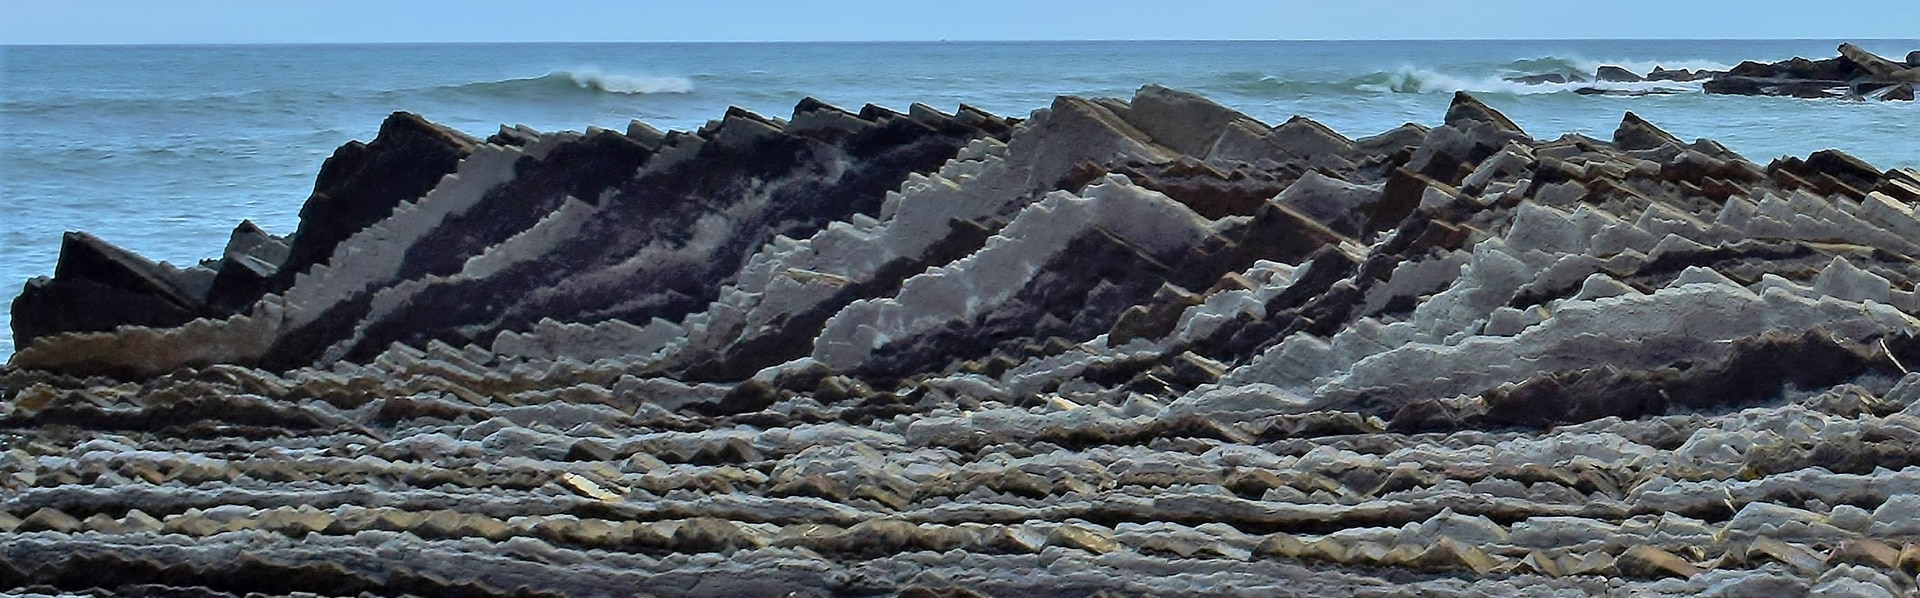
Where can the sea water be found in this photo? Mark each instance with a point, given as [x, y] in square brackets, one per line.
[163, 149]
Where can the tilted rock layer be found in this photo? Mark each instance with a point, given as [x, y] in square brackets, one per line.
[1140, 347]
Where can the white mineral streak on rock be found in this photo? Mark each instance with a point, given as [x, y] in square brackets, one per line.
[966, 288]
[986, 179]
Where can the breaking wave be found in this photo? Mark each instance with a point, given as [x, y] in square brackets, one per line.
[1493, 79]
[585, 80]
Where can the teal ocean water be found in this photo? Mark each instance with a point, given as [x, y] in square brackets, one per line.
[163, 149]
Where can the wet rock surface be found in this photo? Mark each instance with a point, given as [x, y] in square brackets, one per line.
[1123, 347]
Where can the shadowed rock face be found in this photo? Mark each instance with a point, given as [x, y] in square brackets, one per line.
[97, 287]
[1147, 345]
[361, 185]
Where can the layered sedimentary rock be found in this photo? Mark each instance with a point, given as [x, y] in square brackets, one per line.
[98, 286]
[1854, 74]
[1144, 346]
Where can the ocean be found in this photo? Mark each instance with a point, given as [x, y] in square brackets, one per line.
[163, 149]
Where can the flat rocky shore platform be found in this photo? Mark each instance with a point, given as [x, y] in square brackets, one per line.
[1123, 347]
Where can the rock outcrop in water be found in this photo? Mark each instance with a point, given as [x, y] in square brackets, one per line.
[1149, 346]
[1854, 74]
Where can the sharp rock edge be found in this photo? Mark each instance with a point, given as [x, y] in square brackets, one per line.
[1146, 346]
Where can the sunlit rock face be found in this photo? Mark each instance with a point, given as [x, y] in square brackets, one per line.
[1145, 346]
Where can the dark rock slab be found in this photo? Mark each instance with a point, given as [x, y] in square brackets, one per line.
[362, 183]
[1662, 74]
[1774, 86]
[1466, 110]
[1878, 67]
[1183, 121]
[1541, 79]
[1635, 133]
[96, 287]
[246, 268]
[1855, 73]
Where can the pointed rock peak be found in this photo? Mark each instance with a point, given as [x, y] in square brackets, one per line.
[1094, 109]
[1152, 90]
[1180, 120]
[86, 257]
[1467, 110]
[1305, 137]
[1833, 159]
[1302, 121]
[812, 104]
[812, 117]
[1876, 65]
[517, 135]
[403, 125]
[1636, 133]
[876, 112]
[924, 113]
[734, 112]
[1843, 280]
[248, 228]
[250, 241]
[1600, 286]
[741, 126]
[603, 136]
[645, 134]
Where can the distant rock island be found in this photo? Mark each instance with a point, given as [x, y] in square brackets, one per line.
[1148, 346]
[1854, 74]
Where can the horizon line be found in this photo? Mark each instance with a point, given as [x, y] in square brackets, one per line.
[932, 41]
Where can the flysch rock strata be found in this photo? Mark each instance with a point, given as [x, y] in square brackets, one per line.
[1122, 347]
[1854, 74]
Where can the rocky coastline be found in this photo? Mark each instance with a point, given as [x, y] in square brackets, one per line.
[1144, 346]
[1854, 74]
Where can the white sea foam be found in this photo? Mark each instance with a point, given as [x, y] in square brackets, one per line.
[1411, 79]
[1641, 67]
[576, 80]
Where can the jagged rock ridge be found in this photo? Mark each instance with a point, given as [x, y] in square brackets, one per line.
[1145, 346]
[1854, 74]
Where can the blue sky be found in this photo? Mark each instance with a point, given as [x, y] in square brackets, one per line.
[250, 21]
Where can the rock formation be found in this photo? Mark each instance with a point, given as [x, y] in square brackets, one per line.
[1854, 74]
[1144, 346]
